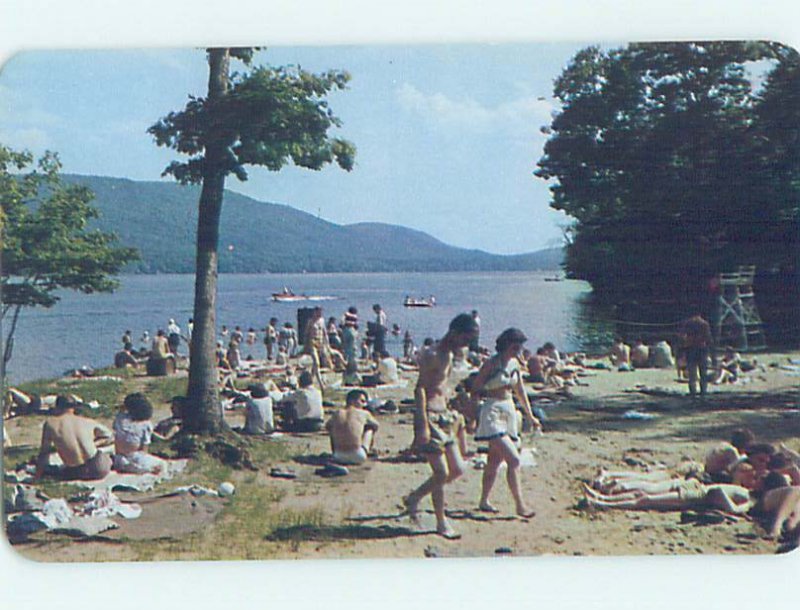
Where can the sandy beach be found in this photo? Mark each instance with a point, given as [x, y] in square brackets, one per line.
[360, 515]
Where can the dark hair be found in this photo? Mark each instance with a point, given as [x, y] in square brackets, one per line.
[778, 461]
[385, 354]
[757, 448]
[508, 337]
[540, 351]
[549, 345]
[160, 332]
[742, 438]
[774, 480]
[463, 323]
[271, 320]
[352, 310]
[65, 402]
[179, 405]
[305, 379]
[258, 390]
[469, 381]
[428, 341]
[353, 395]
[138, 407]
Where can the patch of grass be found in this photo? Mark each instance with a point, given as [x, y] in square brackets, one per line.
[162, 389]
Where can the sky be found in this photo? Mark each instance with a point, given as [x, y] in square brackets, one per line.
[448, 135]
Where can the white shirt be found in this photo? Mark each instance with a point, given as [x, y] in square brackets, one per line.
[307, 403]
[258, 417]
[387, 370]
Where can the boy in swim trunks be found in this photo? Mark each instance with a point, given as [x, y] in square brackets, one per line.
[352, 430]
[436, 427]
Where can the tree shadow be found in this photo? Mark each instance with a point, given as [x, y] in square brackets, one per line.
[331, 533]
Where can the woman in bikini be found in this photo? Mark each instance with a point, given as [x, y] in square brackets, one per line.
[498, 381]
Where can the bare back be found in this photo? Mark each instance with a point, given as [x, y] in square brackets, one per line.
[346, 428]
[73, 437]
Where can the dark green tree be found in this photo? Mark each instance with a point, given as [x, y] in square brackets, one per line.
[655, 155]
[267, 116]
[46, 239]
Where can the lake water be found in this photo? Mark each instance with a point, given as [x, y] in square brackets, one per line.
[86, 329]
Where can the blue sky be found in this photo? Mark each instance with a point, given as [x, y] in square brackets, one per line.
[447, 135]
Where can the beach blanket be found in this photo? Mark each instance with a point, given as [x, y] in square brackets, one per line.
[655, 390]
[56, 516]
[136, 482]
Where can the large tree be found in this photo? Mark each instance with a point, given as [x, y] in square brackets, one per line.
[267, 116]
[659, 157]
[47, 244]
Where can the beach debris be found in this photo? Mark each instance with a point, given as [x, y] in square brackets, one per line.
[282, 473]
[527, 459]
[226, 488]
[479, 462]
[103, 503]
[431, 552]
[196, 490]
[634, 414]
[332, 470]
[24, 498]
[503, 550]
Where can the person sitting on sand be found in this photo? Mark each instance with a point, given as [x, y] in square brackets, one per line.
[125, 358]
[169, 427]
[387, 369]
[160, 349]
[76, 440]
[352, 430]
[661, 355]
[729, 369]
[620, 354]
[676, 494]
[133, 433]
[436, 427]
[304, 411]
[281, 358]
[640, 355]
[537, 367]
[258, 418]
[498, 381]
[780, 505]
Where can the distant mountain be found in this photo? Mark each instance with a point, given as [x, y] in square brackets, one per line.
[160, 218]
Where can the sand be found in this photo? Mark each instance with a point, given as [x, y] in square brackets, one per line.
[363, 516]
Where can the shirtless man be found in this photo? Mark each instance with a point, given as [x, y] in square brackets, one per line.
[696, 334]
[620, 353]
[436, 427]
[76, 440]
[315, 342]
[352, 430]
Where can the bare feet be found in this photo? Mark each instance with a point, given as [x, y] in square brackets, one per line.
[525, 512]
[447, 532]
[485, 507]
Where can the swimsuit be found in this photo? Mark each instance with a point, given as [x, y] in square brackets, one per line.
[498, 416]
[444, 428]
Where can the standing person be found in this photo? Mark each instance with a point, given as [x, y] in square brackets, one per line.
[474, 346]
[379, 344]
[696, 334]
[334, 338]
[499, 380]
[436, 427]
[287, 338]
[271, 337]
[127, 338]
[315, 344]
[237, 334]
[144, 342]
[173, 336]
[408, 345]
[350, 335]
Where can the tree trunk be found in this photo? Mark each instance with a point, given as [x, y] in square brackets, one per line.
[205, 409]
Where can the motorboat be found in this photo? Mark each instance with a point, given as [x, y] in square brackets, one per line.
[288, 296]
[421, 302]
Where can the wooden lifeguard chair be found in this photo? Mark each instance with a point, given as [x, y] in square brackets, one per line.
[738, 321]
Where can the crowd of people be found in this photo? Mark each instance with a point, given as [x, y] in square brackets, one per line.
[462, 389]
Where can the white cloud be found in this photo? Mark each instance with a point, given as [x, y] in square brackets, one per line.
[32, 139]
[522, 115]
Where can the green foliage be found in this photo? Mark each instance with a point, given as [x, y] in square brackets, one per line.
[47, 244]
[674, 166]
[269, 116]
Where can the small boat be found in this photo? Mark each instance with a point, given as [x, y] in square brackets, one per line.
[422, 302]
[554, 278]
[288, 296]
